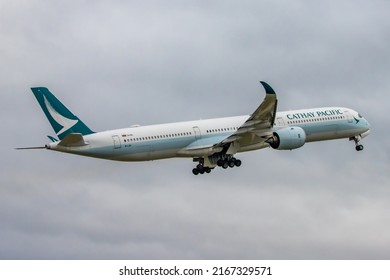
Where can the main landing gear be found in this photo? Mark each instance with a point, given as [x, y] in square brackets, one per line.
[357, 139]
[224, 162]
[200, 169]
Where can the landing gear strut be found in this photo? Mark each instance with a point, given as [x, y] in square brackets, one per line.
[357, 139]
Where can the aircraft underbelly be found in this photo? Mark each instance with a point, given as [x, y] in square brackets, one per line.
[328, 132]
[151, 151]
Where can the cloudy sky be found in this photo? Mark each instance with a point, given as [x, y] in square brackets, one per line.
[118, 63]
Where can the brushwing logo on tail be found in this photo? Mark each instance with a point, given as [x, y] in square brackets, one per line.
[61, 120]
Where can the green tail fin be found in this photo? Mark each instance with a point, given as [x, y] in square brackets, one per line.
[61, 119]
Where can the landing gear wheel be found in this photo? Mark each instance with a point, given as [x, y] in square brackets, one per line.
[231, 164]
[225, 165]
[359, 147]
[200, 168]
[237, 163]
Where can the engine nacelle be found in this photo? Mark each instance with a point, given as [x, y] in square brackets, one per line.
[287, 138]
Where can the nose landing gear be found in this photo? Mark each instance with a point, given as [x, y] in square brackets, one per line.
[357, 139]
[359, 147]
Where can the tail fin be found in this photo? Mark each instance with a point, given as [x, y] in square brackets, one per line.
[61, 119]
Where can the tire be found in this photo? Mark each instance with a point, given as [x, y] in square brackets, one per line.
[359, 147]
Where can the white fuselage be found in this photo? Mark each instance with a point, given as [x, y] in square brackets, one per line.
[140, 143]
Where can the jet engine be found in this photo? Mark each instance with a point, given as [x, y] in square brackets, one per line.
[287, 138]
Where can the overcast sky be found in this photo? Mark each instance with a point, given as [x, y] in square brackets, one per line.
[118, 63]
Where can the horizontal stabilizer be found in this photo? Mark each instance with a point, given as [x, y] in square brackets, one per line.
[73, 140]
[52, 138]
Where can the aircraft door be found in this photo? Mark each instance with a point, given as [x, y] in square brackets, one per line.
[280, 121]
[117, 141]
[197, 132]
[349, 116]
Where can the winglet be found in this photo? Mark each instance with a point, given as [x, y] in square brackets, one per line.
[268, 88]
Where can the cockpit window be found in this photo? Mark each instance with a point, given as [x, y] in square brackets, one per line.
[360, 116]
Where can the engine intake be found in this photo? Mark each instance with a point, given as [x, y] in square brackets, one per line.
[287, 138]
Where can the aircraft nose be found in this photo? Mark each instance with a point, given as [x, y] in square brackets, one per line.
[366, 128]
[367, 124]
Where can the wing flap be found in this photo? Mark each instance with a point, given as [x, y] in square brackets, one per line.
[203, 146]
[205, 142]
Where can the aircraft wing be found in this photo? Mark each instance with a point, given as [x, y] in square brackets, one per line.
[255, 131]
[257, 128]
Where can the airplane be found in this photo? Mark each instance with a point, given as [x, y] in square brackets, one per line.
[210, 143]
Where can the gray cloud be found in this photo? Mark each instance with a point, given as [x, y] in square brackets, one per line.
[118, 63]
